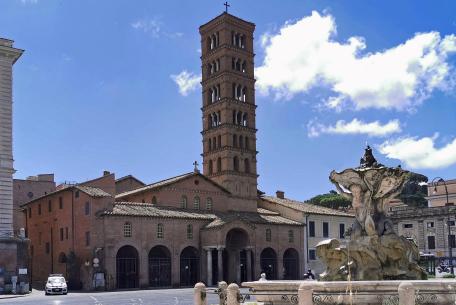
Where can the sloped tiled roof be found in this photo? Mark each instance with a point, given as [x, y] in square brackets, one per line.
[129, 177]
[166, 182]
[266, 212]
[89, 190]
[216, 218]
[305, 207]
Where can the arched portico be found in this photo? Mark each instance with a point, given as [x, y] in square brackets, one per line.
[237, 257]
[159, 267]
[189, 267]
[268, 263]
[291, 264]
[127, 275]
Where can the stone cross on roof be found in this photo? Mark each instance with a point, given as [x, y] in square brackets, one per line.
[226, 6]
[195, 164]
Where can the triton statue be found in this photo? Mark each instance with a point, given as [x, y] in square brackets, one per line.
[375, 251]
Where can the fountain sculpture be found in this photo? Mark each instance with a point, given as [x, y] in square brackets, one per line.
[375, 251]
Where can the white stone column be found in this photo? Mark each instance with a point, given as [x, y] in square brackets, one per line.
[209, 266]
[199, 296]
[220, 263]
[8, 56]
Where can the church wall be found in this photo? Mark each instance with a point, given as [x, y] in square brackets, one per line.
[127, 184]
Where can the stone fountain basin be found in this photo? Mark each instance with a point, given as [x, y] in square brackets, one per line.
[435, 291]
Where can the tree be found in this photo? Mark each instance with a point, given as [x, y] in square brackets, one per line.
[331, 200]
[414, 191]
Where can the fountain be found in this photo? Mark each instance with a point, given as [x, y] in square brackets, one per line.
[376, 266]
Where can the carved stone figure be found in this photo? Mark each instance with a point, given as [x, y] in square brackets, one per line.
[375, 251]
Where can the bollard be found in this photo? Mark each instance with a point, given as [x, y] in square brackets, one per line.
[406, 293]
[305, 294]
[222, 292]
[233, 294]
[199, 297]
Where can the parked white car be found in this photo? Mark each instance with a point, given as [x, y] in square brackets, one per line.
[56, 284]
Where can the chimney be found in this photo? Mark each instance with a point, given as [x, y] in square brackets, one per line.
[280, 194]
[106, 173]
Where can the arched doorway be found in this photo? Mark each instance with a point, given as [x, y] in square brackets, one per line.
[189, 267]
[238, 257]
[159, 267]
[127, 267]
[268, 263]
[291, 264]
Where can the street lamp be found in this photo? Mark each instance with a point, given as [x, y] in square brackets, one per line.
[435, 182]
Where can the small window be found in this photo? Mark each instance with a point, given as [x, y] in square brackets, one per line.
[341, 230]
[431, 242]
[49, 206]
[290, 236]
[30, 212]
[325, 229]
[189, 232]
[196, 203]
[154, 200]
[430, 224]
[66, 233]
[160, 233]
[87, 238]
[209, 203]
[312, 255]
[48, 248]
[76, 194]
[87, 208]
[39, 209]
[407, 225]
[61, 234]
[268, 234]
[60, 203]
[311, 228]
[184, 202]
[127, 229]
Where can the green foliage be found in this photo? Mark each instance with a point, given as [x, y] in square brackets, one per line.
[414, 191]
[330, 200]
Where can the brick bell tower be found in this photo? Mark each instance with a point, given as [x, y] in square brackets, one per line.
[228, 83]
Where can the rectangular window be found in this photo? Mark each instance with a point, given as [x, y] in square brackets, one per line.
[50, 206]
[30, 212]
[189, 232]
[311, 229]
[312, 255]
[87, 237]
[431, 242]
[39, 209]
[407, 225]
[452, 241]
[61, 234]
[160, 233]
[290, 236]
[430, 224]
[60, 203]
[66, 233]
[325, 229]
[268, 234]
[87, 208]
[48, 248]
[341, 230]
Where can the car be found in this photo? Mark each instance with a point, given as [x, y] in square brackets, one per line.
[56, 284]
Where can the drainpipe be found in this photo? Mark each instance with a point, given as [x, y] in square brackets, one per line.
[306, 247]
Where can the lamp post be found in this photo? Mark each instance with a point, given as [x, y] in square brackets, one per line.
[435, 182]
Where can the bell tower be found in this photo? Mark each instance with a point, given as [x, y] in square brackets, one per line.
[228, 84]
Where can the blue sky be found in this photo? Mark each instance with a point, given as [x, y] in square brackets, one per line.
[95, 89]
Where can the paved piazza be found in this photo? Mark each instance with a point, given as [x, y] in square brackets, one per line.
[135, 297]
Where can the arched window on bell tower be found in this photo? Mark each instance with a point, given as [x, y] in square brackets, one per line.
[219, 141]
[246, 165]
[209, 144]
[236, 164]
[246, 140]
[210, 167]
[235, 142]
[219, 165]
[241, 142]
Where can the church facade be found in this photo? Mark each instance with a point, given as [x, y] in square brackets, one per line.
[116, 234]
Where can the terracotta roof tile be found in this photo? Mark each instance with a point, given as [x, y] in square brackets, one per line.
[305, 207]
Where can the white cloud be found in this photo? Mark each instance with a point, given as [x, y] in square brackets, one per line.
[29, 2]
[150, 26]
[372, 129]
[186, 81]
[304, 55]
[420, 153]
